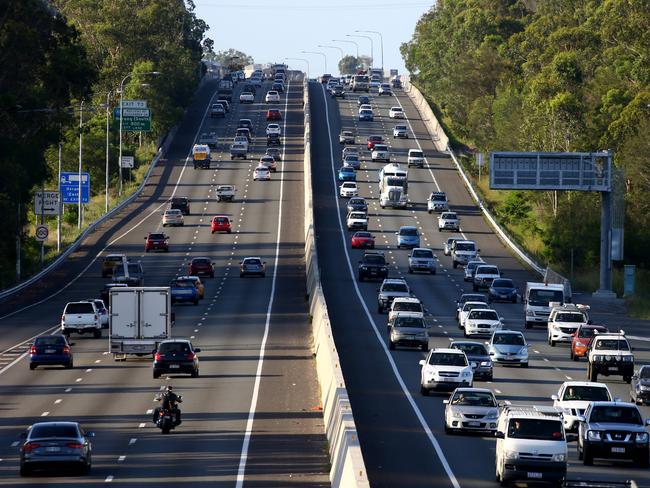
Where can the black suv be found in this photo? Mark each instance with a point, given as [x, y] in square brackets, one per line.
[182, 204]
[176, 356]
[337, 91]
[613, 430]
[373, 266]
[245, 123]
[273, 140]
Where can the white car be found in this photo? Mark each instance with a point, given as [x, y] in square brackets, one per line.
[261, 173]
[269, 162]
[365, 106]
[574, 397]
[273, 129]
[405, 304]
[380, 152]
[357, 221]
[471, 410]
[448, 221]
[415, 158]
[481, 321]
[348, 189]
[396, 113]
[349, 150]
[563, 322]
[467, 308]
[400, 132]
[246, 97]
[272, 97]
[172, 216]
[445, 369]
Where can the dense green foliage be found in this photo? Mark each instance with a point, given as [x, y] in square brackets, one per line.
[555, 75]
[233, 59]
[348, 65]
[53, 57]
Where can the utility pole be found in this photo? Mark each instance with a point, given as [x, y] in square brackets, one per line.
[58, 217]
[81, 122]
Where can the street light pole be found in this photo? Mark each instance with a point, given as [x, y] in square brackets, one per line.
[351, 42]
[119, 161]
[303, 60]
[81, 123]
[381, 41]
[108, 112]
[372, 47]
[318, 52]
[333, 47]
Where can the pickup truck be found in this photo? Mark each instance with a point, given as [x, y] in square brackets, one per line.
[239, 149]
[225, 193]
[209, 139]
[81, 317]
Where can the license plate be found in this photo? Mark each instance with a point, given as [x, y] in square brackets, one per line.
[620, 450]
[52, 449]
[532, 474]
[474, 424]
[174, 366]
[50, 351]
[613, 368]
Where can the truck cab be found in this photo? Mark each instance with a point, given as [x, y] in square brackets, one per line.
[537, 298]
[201, 156]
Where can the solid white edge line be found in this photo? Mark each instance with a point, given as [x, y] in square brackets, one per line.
[241, 471]
[398, 377]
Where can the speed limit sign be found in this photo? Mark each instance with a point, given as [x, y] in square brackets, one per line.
[42, 233]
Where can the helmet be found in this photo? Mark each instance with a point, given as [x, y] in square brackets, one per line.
[169, 388]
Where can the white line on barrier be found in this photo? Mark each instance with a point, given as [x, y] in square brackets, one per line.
[241, 472]
[398, 376]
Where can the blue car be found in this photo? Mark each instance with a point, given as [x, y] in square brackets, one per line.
[502, 289]
[347, 173]
[184, 291]
[49, 351]
[367, 115]
[408, 236]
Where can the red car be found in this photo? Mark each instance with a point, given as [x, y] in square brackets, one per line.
[221, 223]
[156, 242]
[582, 340]
[201, 266]
[372, 140]
[273, 114]
[363, 240]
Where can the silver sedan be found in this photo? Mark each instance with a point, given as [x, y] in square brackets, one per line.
[173, 216]
[471, 410]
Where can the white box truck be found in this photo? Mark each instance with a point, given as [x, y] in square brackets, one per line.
[537, 302]
[139, 319]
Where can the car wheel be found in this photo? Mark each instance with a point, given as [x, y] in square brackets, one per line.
[156, 375]
[66, 333]
[424, 391]
[241, 275]
[425, 347]
[524, 365]
[455, 265]
[592, 375]
[410, 271]
[263, 275]
[391, 345]
[97, 334]
[475, 288]
[380, 309]
[85, 469]
[166, 249]
[587, 456]
[195, 373]
[24, 470]
[196, 301]
[211, 275]
[146, 250]
[360, 278]
[627, 379]
[69, 365]
[552, 342]
[642, 461]
[32, 366]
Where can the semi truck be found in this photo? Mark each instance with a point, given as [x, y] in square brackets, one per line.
[224, 91]
[139, 319]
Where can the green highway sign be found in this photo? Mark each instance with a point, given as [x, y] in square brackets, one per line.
[135, 119]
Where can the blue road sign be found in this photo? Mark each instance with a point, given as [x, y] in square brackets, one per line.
[69, 186]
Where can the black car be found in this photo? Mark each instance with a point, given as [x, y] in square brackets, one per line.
[363, 100]
[104, 293]
[51, 444]
[502, 289]
[357, 204]
[640, 386]
[277, 86]
[245, 124]
[478, 357]
[273, 140]
[338, 92]
[248, 87]
[182, 204]
[274, 152]
[373, 266]
[176, 356]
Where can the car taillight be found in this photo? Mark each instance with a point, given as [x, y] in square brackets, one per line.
[32, 350]
[30, 446]
[190, 356]
[62, 318]
[66, 350]
[96, 317]
[157, 356]
[74, 445]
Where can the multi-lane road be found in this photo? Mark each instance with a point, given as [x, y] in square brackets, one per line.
[401, 432]
[252, 417]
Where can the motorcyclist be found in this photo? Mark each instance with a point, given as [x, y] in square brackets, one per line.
[170, 401]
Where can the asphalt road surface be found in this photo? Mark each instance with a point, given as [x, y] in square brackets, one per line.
[252, 418]
[401, 432]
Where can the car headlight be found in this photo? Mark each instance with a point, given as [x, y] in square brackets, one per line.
[511, 454]
[456, 415]
[523, 351]
[643, 387]
[492, 415]
[642, 437]
[364, 268]
[594, 435]
[530, 313]
[486, 363]
[628, 359]
[423, 335]
[597, 357]
[559, 458]
[466, 374]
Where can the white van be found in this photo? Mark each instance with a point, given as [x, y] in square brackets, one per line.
[537, 299]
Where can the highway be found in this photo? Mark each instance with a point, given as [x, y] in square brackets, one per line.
[401, 432]
[252, 418]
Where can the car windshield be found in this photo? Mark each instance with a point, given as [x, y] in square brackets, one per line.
[167, 347]
[570, 317]
[473, 264]
[465, 246]
[448, 359]
[589, 332]
[508, 339]
[615, 414]
[644, 373]
[221, 220]
[357, 215]
[183, 283]
[586, 393]
[49, 341]
[79, 308]
[474, 399]
[356, 201]
[417, 154]
[415, 322]
[134, 268]
[349, 184]
[410, 231]
[200, 261]
[363, 234]
[54, 430]
[535, 429]
[612, 344]
[401, 287]
[352, 157]
[375, 260]
[254, 262]
[366, 111]
[396, 109]
[470, 306]
[471, 349]
[542, 297]
[471, 297]
[347, 169]
[157, 236]
[421, 253]
[503, 284]
[491, 270]
[407, 307]
[483, 315]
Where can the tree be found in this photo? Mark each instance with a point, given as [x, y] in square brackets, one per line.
[348, 65]
[233, 59]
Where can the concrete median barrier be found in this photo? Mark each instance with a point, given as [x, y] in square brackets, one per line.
[348, 468]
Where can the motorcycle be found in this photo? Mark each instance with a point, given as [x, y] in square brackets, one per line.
[166, 418]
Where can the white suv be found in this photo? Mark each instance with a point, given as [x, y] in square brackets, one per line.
[396, 113]
[81, 317]
[380, 152]
[574, 397]
[564, 322]
[445, 369]
[415, 158]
